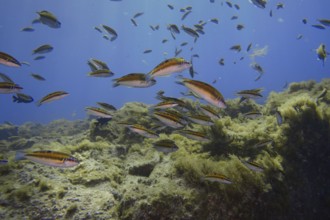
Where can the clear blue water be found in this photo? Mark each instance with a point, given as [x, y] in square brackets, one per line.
[65, 68]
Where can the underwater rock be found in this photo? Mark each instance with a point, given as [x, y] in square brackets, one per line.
[142, 170]
[21, 144]
[121, 176]
[7, 131]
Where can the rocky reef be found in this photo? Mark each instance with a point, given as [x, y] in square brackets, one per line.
[121, 175]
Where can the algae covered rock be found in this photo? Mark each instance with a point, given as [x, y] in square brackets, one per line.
[122, 176]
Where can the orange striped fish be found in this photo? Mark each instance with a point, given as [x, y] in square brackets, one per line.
[135, 80]
[9, 87]
[8, 60]
[170, 119]
[169, 66]
[52, 96]
[217, 178]
[205, 91]
[99, 112]
[49, 158]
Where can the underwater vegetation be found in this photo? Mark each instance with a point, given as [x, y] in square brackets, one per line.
[261, 168]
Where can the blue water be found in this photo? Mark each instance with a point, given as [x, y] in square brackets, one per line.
[65, 68]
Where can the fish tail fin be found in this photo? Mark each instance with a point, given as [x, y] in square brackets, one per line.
[19, 155]
[148, 76]
[115, 83]
[38, 103]
[180, 83]
[15, 99]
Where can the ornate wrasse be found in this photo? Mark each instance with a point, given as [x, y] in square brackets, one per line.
[50, 158]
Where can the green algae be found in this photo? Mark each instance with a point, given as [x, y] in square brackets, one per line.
[121, 176]
[71, 211]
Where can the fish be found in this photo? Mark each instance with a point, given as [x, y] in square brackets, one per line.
[170, 6]
[205, 91]
[8, 60]
[165, 146]
[22, 98]
[259, 3]
[201, 119]
[209, 111]
[230, 5]
[47, 18]
[134, 22]
[299, 36]
[222, 61]
[143, 131]
[96, 64]
[98, 112]
[177, 52]
[39, 57]
[322, 94]
[194, 135]
[9, 87]
[271, 13]
[319, 26]
[183, 44]
[169, 66]
[250, 93]
[279, 5]
[190, 31]
[304, 21]
[239, 27]
[37, 77]
[107, 106]
[257, 67]
[111, 31]
[106, 37]
[214, 20]
[234, 17]
[253, 166]
[180, 103]
[52, 97]
[191, 69]
[49, 158]
[27, 29]
[135, 80]
[3, 162]
[321, 53]
[98, 29]
[25, 63]
[325, 22]
[164, 41]
[101, 73]
[185, 15]
[237, 48]
[173, 28]
[165, 104]
[263, 143]
[237, 6]
[6, 78]
[147, 51]
[252, 114]
[46, 48]
[217, 178]
[279, 118]
[138, 14]
[169, 119]
[199, 31]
